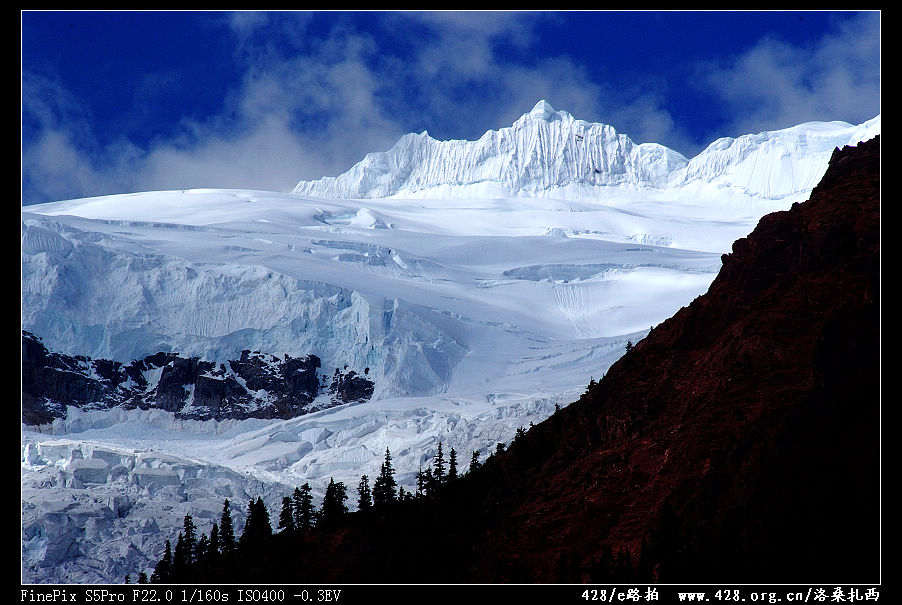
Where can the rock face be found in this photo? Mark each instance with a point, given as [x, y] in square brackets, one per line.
[253, 386]
[739, 442]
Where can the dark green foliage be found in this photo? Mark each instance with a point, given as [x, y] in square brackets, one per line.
[190, 545]
[333, 510]
[428, 481]
[438, 466]
[385, 485]
[203, 545]
[227, 543]
[364, 495]
[256, 528]
[452, 465]
[213, 550]
[179, 560]
[474, 461]
[163, 570]
[286, 516]
[304, 513]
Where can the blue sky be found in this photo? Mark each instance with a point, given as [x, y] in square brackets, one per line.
[117, 102]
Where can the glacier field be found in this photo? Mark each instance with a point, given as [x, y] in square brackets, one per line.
[480, 283]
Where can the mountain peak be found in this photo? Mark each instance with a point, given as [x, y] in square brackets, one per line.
[544, 111]
[549, 153]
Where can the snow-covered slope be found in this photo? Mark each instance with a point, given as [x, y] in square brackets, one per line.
[773, 165]
[484, 283]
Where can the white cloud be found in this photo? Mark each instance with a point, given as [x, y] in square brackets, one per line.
[304, 115]
[775, 84]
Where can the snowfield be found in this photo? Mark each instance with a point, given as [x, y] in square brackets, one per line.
[479, 283]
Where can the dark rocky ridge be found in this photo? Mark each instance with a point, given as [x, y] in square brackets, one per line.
[739, 442]
[721, 440]
[253, 386]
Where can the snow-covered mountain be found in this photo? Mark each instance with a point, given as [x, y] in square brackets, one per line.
[479, 283]
[549, 153]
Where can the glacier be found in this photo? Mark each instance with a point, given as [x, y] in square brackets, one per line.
[482, 283]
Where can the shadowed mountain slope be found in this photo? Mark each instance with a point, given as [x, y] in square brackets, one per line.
[739, 442]
[740, 439]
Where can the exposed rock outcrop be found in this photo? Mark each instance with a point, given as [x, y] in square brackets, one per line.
[253, 386]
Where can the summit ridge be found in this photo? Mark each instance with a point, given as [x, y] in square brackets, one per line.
[549, 153]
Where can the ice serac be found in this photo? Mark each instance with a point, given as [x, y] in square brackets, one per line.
[549, 153]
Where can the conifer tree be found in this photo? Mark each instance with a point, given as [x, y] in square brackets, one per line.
[304, 513]
[179, 560]
[384, 486]
[227, 543]
[428, 481]
[263, 514]
[190, 539]
[364, 496]
[474, 461]
[213, 548]
[203, 545]
[256, 527]
[452, 465]
[163, 571]
[438, 471]
[142, 577]
[286, 516]
[334, 509]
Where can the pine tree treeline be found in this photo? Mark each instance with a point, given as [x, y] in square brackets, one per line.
[208, 556]
[417, 536]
